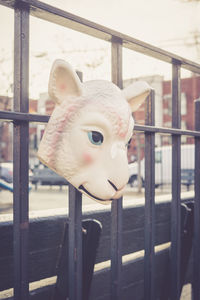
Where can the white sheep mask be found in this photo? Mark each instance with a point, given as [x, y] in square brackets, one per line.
[86, 138]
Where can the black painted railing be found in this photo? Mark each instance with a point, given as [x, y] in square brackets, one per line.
[21, 119]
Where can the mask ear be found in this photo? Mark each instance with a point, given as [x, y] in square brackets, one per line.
[136, 93]
[63, 82]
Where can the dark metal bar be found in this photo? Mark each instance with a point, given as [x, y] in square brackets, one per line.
[9, 3]
[166, 130]
[24, 117]
[116, 208]
[149, 226]
[75, 244]
[116, 56]
[58, 16]
[75, 241]
[21, 155]
[116, 246]
[176, 186]
[196, 245]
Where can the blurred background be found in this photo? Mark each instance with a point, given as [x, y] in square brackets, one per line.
[173, 25]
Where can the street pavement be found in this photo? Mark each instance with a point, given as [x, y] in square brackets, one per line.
[46, 197]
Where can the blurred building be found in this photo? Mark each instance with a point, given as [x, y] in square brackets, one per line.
[6, 130]
[190, 91]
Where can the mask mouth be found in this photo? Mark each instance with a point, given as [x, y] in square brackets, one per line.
[81, 187]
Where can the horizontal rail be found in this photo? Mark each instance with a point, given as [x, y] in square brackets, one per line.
[66, 19]
[165, 130]
[24, 117]
[12, 116]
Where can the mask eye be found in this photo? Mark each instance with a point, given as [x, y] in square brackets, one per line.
[129, 142]
[95, 137]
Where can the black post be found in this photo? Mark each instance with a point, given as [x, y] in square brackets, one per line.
[21, 154]
[176, 185]
[196, 245]
[116, 209]
[149, 259]
[75, 244]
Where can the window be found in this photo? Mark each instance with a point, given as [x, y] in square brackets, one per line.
[158, 156]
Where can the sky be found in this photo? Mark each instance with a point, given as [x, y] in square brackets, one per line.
[169, 24]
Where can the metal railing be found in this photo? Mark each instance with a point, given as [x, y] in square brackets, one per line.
[21, 119]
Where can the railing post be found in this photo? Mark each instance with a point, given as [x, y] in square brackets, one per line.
[116, 209]
[21, 154]
[176, 185]
[75, 244]
[196, 245]
[75, 240]
[149, 259]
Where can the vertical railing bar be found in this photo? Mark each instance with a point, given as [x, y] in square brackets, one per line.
[21, 154]
[116, 242]
[176, 185]
[75, 244]
[149, 226]
[116, 207]
[75, 239]
[196, 245]
[117, 62]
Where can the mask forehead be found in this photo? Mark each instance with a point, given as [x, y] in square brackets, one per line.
[120, 117]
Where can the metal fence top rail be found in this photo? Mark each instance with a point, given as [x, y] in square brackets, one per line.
[66, 19]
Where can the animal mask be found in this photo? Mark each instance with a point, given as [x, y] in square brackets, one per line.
[86, 138]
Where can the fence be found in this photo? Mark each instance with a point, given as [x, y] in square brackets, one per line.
[21, 119]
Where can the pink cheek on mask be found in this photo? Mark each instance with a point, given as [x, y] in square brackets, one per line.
[88, 158]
